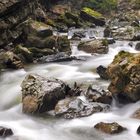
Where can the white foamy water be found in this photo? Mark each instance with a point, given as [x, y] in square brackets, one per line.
[47, 128]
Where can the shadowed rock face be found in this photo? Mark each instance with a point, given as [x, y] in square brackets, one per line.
[12, 13]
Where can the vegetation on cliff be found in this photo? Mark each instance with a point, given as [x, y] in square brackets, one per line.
[102, 5]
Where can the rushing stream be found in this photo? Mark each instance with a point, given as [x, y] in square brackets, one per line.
[48, 128]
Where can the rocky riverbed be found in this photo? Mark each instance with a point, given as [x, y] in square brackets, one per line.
[69, 72]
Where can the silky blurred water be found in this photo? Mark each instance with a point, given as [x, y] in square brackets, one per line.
[27, 127]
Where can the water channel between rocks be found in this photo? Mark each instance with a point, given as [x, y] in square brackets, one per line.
[49, 128]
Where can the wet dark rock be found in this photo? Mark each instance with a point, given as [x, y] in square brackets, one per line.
[92, 16]
[135, 23]
[41, 94]
[70, 108]
[136, 37]
[138, 130]
[102, 71]
[72, 16]
[109, 128]
[107, 32]
[137, 46]
[5, 132]
[130, 44]
[79, 35]
[74, 91]
[94, 46]
[37, 53]
[59, 57]
[124, 73]
[98, 95]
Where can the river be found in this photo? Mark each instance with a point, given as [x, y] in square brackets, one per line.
[27, 127]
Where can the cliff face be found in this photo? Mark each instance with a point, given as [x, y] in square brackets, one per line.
[12, 13]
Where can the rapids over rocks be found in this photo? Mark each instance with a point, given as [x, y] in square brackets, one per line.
[27, 127]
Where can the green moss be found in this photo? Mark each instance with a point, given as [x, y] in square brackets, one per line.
[101, 5]
[121, 56]
[92, 12]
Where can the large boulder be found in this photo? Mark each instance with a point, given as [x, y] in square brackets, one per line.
[124, 72]
[36, 28]
[70, 108]
[41, 94]
[94, 46]
[109, 128]
[54, 43]
[92, 16]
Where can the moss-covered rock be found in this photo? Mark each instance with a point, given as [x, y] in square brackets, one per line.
[92, 16]
[124, 72]
[40, 29]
